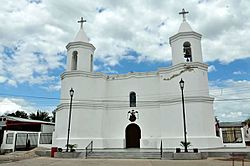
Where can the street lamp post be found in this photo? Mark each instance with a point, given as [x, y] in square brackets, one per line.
[71, 92]
[184, 116]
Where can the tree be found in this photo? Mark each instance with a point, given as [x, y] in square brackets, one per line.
[247, 121]
[53, 118]
[19, 114]
[40, 115]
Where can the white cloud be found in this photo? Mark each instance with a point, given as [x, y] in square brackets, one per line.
[211, 68]
[12, 82]
[231, 99]
[2, 79]
[9, 105]
[96, 67]
[232, 115]
[109, 70]
[12, 105]
[225, 27]
[239, 73]
[26, 31]
[48, 26]
[53, 87]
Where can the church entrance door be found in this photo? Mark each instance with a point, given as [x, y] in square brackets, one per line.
[133, 136]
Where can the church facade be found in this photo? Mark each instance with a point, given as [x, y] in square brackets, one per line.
[137, 110]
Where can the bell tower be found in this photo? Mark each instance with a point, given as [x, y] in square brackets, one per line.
[80, 52]
[186, 44]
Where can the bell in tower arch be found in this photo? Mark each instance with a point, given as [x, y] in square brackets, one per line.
[187, 51]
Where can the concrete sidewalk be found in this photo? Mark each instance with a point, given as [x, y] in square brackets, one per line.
[42, 161]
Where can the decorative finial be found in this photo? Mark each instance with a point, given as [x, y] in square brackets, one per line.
[183, 12]
[81, 21]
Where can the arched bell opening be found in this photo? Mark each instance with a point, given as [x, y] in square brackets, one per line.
[187, 51]
[74, 60]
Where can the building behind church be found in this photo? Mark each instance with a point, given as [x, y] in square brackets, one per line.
[137, 110]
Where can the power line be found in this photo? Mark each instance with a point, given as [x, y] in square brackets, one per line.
[112, 100]
[225, 91]
[30, 96]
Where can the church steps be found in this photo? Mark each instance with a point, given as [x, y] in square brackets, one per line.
[124, 155]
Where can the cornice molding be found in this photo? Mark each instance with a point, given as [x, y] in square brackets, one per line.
[141, 104]
[184, 35]
[178, 67]
[80, 44]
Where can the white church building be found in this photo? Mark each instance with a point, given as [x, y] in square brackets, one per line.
[137, 110]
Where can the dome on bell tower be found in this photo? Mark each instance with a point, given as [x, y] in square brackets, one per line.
[185, 27]
[80, 52]
[81, 35]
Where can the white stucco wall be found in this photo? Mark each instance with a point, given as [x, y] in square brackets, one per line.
[105, 122]
[101, 102]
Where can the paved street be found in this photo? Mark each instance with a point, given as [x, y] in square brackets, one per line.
[46, 161]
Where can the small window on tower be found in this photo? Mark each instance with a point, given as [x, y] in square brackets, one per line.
[74, 60]
[187, 51]
[132, 99]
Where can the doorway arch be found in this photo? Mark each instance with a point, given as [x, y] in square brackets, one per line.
[133, 136]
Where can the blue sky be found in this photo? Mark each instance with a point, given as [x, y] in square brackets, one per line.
[35, 32]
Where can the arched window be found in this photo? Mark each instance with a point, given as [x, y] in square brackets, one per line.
[132, 99]
[91, 63]
[74, 60]
[187, 51]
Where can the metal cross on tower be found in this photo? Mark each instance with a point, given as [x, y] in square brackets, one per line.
[81, 21]
[183, 12]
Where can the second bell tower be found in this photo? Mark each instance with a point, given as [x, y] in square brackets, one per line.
[80, 52]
